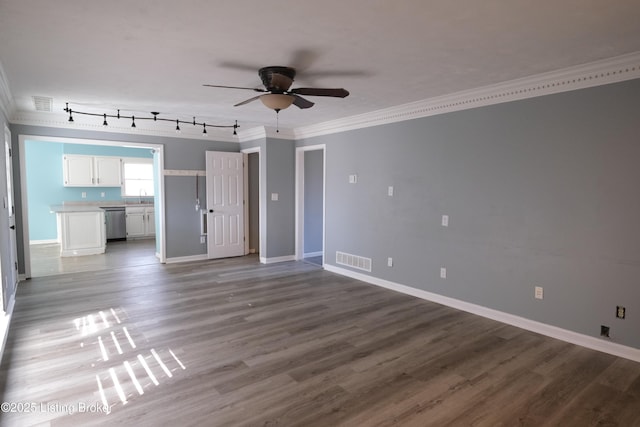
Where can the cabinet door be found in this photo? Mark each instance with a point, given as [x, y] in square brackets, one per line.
[151, 222]
[108, 171]
[78, 171]
[135, 223]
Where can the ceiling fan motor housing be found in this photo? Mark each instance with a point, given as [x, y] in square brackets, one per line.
[277, 79]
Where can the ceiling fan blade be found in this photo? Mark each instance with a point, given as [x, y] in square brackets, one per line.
[310, 91]
[237, 87]
[300, 102]
[247, 101]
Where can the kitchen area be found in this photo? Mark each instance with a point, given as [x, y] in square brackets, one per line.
[92, 209]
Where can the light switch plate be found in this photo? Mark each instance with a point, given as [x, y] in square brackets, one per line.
[274, 197]
[353, 179]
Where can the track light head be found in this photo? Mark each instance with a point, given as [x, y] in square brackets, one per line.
[104, 123]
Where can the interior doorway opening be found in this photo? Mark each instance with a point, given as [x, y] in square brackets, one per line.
[310, 203]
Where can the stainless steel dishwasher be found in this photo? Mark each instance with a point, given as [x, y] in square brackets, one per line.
[116, 222]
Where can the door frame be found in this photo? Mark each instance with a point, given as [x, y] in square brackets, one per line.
[262, 235]
[299, 213]
[160, 209]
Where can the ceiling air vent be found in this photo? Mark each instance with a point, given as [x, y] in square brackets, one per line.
[43, 103]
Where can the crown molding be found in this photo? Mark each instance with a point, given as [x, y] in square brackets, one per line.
[61, 122]
[6, 99]
[612, 70]
[261, 132]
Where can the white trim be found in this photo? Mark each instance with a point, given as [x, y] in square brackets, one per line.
[183, 172]
[261, 187]
[612, 70]
[174, 260]
[43, 242]
[299, 195]
[510, 319]
[273, 260]
[5, 322]
[252, 134]
[312, 254]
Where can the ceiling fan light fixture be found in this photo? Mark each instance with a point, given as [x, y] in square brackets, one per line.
[277, 101]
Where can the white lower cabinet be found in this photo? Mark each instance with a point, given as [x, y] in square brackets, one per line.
[141, 222]
[81, 233]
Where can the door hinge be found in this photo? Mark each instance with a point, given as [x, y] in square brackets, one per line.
[10, 152]
[16, 265]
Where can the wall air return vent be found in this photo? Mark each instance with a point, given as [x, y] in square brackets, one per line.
[355, 261]
[43, 103]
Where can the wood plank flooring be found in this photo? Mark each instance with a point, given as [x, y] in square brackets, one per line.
[236, 343]
[46, 259]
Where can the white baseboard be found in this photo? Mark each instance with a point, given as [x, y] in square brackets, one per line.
[174, 260]
[593, 343]
[5, 321]
[43, 242]
[264, 260]
[312, 254]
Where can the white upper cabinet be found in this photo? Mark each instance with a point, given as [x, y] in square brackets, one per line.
[108, 171]
[91, 171]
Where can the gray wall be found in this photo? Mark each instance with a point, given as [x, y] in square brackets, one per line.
[539, 192]
[313, 189]
[280, 225]
[183, 227]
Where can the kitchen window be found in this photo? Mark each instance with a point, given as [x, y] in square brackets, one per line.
[137, 178]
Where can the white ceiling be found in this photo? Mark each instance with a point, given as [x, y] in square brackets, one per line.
[155, 55]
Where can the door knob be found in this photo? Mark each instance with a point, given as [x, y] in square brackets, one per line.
[210, 210]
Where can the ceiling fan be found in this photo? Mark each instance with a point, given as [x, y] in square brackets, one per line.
[278, 95]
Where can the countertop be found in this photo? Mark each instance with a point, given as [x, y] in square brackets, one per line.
[94, 206]
[75, 208]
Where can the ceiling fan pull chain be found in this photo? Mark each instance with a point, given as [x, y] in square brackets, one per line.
[277, 120]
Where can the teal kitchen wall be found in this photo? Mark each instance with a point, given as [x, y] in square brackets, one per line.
[44, 182]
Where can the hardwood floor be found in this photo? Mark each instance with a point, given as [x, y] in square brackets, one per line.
[236, 343]
[46, 260]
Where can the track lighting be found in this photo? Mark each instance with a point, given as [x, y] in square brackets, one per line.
[154, 117]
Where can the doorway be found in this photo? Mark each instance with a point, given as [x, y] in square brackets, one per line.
[310, 203]
[119, 253]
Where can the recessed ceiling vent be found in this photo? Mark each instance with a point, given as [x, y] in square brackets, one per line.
[43, 103]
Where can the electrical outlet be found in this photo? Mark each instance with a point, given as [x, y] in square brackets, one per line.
[390, 191]
[443, 273]
[539, 292]
[445, 220]
[102, 194]
[620, 312]
[389, 262]
[83, 194]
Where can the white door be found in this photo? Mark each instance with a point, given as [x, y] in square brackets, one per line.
[225, 204]
[11, 276]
